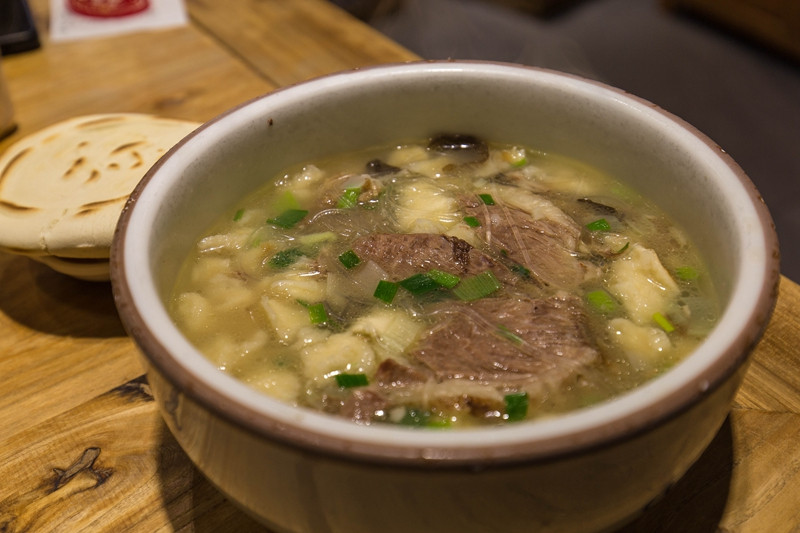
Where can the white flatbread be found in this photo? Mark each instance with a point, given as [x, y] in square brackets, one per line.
[85, 269]
[63, 188]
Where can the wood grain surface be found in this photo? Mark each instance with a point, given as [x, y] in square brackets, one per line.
[82, 447]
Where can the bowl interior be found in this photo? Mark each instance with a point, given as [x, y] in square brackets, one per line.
[653, 151]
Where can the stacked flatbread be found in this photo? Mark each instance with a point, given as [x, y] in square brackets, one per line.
[63, 188]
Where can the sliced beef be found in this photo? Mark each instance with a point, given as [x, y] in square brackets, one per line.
[391, 374]
[509, 341]
[547, 248]
[404, 254]
[364, 406]
[478, 349]
[397, 384]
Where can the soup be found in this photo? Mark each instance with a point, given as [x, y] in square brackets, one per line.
[446, 283]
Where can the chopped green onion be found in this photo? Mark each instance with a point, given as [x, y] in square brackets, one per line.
[516, 406]
[510, 335]
[487, 198]
[663, 322]
[478, 286]
[317, 313]
[419, 284]
[415, 418]
[687, 273]
[238, 216]
[600, 224]
[438, 423]
[520, 162]
[445, 279]
[349, 198]
[602, 301]
[284, 258]
[349, 259]
[623, 248]
[284, 202]
[316, 239]
[520, 270]
[472, 222]
[385, 291]
[348, 381]
[289, 218]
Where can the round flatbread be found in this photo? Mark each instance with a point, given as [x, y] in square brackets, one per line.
[63, 188]
[86, 269]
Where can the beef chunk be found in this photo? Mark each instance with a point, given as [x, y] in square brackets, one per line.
[364, 406]
[368, 404]
[391, 374]
[547, 248]
[404, 254]
[478, 349]
[397, 384]
[509, 341]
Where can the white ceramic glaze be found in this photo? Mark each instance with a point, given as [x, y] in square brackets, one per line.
[584, 471]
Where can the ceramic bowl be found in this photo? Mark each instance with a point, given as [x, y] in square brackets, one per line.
[588, 470]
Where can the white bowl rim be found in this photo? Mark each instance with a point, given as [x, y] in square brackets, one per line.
[716, 360]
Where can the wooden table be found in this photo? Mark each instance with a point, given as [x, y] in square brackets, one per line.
[82, 447]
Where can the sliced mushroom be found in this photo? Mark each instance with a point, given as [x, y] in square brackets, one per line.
[467, 148]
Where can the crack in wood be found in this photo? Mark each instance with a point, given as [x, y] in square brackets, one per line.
[135, 389]
[84, 463]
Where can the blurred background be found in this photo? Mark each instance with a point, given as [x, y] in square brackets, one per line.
[729, 67]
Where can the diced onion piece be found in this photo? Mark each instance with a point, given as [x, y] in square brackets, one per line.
[357, 284]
